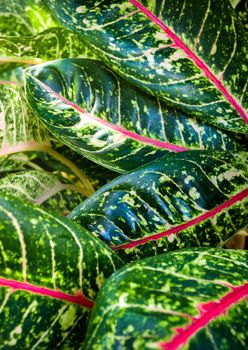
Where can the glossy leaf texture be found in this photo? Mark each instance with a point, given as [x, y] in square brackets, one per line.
[191, 199]
[20, 129]
[190, 54]
[190, 299]
[98, 114]
[50, 272]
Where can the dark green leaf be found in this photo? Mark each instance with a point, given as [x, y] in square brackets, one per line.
[190, 199]
[191, 299]
[190, 54]
[103, 117]
[50, 270]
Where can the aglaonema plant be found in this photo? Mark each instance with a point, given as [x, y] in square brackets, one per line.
[155, 91]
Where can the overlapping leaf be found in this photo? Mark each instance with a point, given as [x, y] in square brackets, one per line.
[53, 43]
[189, 199]
[42, 187]
[20, 129]
[25, 17]
[189, 54]
[50, 270]
[191, 299]
[103, 117]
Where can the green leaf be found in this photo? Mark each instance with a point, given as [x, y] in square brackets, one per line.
[189, 54]
[192, 199]
[19, 128]
[16, 162]
[109, 121]
[21, 131]
[50, 271]
[191, 299]
[24, 17]
[11, 72]
[97, 175]
[53, 43]
[39, 186]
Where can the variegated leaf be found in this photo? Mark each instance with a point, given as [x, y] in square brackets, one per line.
[50, 272]
[20, 130]
[16, 162]
[190, 54]
[106, 119]
[190, 299]
[24, 17]
[41, 187]
[53, 43]
[191, 199]
[97, 175]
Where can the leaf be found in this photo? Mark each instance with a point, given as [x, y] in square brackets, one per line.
[191, 299]
[50, 270]
[16, 162]
[109, 121]
[242, 10]
[19, 128]
[189, 54]
[21, 131]
[24, 17]
[192, 199]
[97, 175]
[11, 72]
[53, 43]
[41, 187]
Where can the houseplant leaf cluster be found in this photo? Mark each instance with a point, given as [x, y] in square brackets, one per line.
[123, 173]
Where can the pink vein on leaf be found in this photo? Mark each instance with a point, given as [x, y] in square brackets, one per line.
[77, 298]
[174, 230]
[124, 132]
[207, 312]
[178, 43]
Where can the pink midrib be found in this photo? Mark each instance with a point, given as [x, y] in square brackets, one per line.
[211, 213]
[208, 312]
[180, 44]
[79, 298]
[124, 132]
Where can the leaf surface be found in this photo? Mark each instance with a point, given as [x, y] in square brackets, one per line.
[191, 199]
[50, 272]
[19, 127]
[98, 114]
[190, 299]
[189, 54]
[25, 17]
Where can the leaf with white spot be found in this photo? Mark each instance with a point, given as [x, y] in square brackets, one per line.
[190, 54]
[191, 199]
[20, 130]
[104, 118]
[190, 299]
[50, 272]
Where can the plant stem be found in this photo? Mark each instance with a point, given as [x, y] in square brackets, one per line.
[20, 60]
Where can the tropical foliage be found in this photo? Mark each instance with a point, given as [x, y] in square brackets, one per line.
[155, 91]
